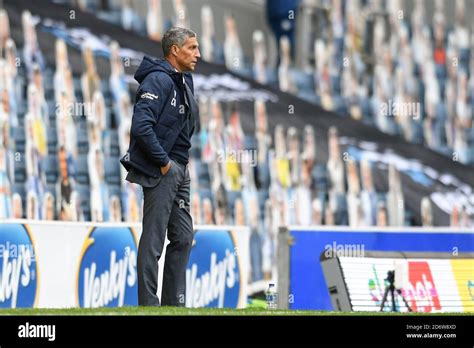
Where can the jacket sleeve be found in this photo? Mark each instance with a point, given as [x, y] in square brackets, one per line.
[150, 96]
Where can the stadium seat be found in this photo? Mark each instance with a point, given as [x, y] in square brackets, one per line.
[19, 187]
[114, 143]
[263, 195]
[320, 177]
[82, 170]
[83, 192]
[304, 81]
[49, 92]
[52, 188]
[112, 170]
[78, 96]
[108, 116]
[51, 112]
[20, 169]
[19, 136]
[81, 122]
[20, 82]
[310, 97]
[105, 88]
[202, 170]
[195, 151]
[115, 190]
[78, 89]
[232, 196]
[250, 142]
[51, 169]
[52, 140]
[205, 193]
[22, 108]
[82, 140]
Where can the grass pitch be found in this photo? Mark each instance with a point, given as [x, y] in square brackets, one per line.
[173, 311]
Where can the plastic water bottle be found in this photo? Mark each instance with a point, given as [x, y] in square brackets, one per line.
[271, 297]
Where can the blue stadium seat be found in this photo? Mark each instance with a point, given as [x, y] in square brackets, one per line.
[49, 92]
[250, 142]
[20, 82]
[115, 190]
[20, 169]
[195, 151]
[52, 188]
[20, 189]
[310, 97]
[108, 116]
[82, 170]
[114, 143]
[320, 177]
[19, 136]
[51, 169]
[84, 193]
[323, 197]
[82, 140]
[21, 111]
[52, 112]
[52, 141]
[77, 84]
[112, 170]
[381, 197]
[408, 217]
[304, 81]
[78, 95]
[105, 88]
[263, 195]
[272, 77]
[232, 196]
[205, 193]
[78, 89]
[204, 180]
[81, 122]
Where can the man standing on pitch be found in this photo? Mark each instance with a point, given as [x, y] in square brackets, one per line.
[163, 123]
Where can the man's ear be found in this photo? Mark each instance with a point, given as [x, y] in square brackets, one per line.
[174, 50]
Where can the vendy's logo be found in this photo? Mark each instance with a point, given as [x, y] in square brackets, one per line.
[18, 269]
[107, 275]
[213, 276]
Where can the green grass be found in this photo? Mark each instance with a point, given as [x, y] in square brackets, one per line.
[173, 311]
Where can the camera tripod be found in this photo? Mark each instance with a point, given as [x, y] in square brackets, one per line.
[391, 288]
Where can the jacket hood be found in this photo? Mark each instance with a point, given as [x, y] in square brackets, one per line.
[150, 64]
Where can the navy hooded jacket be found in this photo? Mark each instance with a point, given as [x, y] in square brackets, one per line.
[158, 115]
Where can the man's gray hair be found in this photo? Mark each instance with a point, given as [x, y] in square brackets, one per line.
[175, 36]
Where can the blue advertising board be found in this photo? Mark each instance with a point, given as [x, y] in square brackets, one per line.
[18, 268]
[107, 273]
[213, 274]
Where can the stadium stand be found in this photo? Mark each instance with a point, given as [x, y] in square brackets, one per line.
[300, 148]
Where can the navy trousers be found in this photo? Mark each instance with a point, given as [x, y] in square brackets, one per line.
[166, 207]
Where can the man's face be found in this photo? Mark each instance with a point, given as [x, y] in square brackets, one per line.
[188, 55]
